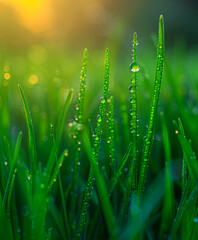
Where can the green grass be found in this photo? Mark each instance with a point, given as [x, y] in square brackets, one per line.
[99, 162]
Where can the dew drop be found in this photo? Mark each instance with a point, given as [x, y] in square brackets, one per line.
[134, 67]
[130, 88]
[102, 100]
[99, 119]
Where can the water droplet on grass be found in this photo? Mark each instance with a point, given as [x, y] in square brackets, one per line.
[134, 67]
[130, 88]
[102, 100]
[99, 119]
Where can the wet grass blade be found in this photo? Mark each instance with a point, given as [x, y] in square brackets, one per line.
[32, 144]
[101, 189]
[96, 145]
[132, 179]
[153, 113]
[77, 140]
[55, 148]
[111, 136]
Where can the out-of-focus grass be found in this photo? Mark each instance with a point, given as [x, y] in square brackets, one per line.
[43, 212]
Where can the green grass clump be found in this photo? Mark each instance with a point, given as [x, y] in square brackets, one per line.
[87, 172]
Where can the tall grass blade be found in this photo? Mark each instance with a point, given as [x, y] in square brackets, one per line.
[111, 138]
[102, 191]
[32, 144]
[132, 179]
[153, 113]
[96, 145]
[77, 141]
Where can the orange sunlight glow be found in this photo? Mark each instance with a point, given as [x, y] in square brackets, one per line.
[34, 15]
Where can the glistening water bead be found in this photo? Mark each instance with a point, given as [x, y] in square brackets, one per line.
[134, 67]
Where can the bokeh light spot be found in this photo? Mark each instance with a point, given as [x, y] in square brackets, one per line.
[33, 79]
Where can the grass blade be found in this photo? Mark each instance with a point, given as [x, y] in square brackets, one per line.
[132, 179]
[77, 141]
[96, 145]
[157, 85]
[55, 148]
[102, 191]
[32, 144]
[111, 138]
[13, 162]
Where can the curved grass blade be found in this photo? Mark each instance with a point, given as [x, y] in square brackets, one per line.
[32, 144]
[153, 113]
[77, 141]
[55, 148]
[96, 145]
[13, 162]
[101, 188]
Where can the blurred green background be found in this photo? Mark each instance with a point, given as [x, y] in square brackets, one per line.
[41, 47]
[93, 23]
